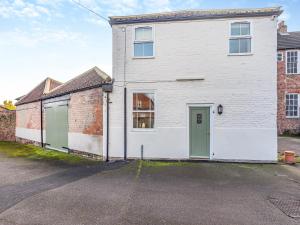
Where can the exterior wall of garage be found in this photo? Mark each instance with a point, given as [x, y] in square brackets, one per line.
[84, 120]
[28, 123]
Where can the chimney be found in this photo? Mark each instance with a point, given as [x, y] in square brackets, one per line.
[282, 28]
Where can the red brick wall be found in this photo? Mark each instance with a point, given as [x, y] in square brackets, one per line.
[7, 125]
[85, 112]
[29, 116]
[286, 84]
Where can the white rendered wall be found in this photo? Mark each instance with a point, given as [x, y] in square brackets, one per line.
[244, 85]
[85, 142]
[29, 134]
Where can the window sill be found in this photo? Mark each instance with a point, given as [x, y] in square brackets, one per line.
[240, 54]
[292, 117]
[292, 74]
[143, 130]
[143, 57]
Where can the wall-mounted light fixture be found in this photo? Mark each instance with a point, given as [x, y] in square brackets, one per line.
[220, 109]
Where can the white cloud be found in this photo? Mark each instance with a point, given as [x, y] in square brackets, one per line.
[157, 5]
[20, 8]
[39, 36]
[97, 21]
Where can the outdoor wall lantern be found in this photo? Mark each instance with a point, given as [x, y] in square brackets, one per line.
[220, 109]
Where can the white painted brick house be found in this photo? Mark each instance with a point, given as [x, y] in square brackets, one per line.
[179, 69]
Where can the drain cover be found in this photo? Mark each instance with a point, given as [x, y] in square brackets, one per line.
[290, 207]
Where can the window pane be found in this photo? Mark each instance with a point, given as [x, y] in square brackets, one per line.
[234, 46]
[148, 49]
[292, 62]
[138, 49]
[143, 34]
[143, 49]
[143, 101]
[235, 29]
[245, 28]
[245, 45]
[292, 107]
[143, 120]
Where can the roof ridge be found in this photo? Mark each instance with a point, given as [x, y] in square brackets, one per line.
[195, 14]
[95, 68]
[32, 90]
[201, 10]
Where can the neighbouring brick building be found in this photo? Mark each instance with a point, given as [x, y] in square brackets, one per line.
[72, 115]
[7, 124]
[288, 69]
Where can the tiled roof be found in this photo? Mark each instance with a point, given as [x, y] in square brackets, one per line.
[195, 15]
[39, 91]
[90, 79]
[289, 40]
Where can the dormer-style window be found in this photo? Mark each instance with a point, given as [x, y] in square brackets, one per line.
[240, 38]
[143, 42]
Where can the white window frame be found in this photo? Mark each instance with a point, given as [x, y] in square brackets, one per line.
[280, 53]
[241, 37]
[144, 91]
[134, 41]
[292, 117]
[298, 62]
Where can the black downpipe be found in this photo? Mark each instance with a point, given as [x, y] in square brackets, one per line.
[42, 125]
[107, 126]
[125, 123]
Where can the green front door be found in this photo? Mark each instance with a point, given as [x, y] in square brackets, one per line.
[57, 127]
[199, 131]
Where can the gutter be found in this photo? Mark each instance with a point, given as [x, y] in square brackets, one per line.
[107, 88]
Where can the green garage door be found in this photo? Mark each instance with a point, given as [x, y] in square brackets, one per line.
[57, 127]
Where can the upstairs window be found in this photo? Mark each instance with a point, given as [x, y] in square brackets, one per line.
[292, 105]
[143, 42]
[291, 62]
[143, 110]
[240, 38]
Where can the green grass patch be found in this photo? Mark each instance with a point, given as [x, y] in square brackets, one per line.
[165, 163]
[290, 135]
[12, 149]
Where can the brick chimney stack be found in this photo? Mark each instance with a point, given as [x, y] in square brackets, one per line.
[282, 28]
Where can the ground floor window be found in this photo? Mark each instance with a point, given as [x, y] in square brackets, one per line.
[292, 105]
[143, 110]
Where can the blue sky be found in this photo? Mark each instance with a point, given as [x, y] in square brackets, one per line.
[57, 38]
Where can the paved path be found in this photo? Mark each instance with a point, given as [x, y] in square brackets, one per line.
[197, 193]
[289, 144]
[14, 193]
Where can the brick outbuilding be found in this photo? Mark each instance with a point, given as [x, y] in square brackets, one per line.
[288, 81]
[71, 112]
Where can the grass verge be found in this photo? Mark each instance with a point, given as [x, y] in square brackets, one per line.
[13, 149]
[147, 163]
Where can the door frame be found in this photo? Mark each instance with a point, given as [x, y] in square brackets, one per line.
[211, 112]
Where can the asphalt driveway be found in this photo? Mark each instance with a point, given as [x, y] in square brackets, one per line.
[154, 193]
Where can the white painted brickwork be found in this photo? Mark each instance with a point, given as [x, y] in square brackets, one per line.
[244, 85]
